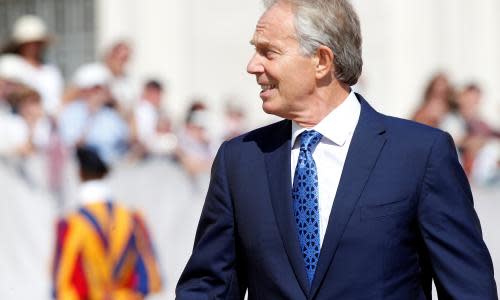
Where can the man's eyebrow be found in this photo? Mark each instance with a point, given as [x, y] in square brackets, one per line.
[260, 44]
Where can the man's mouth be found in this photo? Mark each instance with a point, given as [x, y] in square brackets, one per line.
[266, 87]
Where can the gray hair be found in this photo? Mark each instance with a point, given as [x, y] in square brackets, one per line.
[332, 23]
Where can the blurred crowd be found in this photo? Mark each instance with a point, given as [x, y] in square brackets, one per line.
[100, 105]
[45, 115]
[47, 121]
[456, 109]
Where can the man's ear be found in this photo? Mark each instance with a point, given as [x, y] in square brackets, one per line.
[324, 61]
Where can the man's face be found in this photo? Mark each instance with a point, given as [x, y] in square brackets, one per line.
[286, 76]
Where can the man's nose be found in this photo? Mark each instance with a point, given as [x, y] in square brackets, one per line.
[255, 65]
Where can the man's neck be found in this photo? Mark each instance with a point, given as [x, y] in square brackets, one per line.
[325, 100]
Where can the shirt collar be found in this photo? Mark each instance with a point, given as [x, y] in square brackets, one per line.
[338, 125]
[93, 191]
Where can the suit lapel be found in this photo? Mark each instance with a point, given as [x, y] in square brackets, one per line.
[278, 171]
[366, 144]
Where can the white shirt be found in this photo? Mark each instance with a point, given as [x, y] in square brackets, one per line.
[330, 154]
[48, 81]
[45, 79]
[14, 133]
[124, 89]
[146, 120]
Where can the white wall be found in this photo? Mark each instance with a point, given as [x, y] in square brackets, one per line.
[201, 47]
[406, 41]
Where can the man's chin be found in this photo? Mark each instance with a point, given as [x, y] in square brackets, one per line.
[272, 110]
[268, 108]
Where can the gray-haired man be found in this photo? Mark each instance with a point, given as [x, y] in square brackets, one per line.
[337, 201]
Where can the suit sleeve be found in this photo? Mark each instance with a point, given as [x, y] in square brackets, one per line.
[461, 264]
[213, 271]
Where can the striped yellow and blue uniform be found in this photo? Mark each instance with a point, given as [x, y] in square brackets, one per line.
[104, 252]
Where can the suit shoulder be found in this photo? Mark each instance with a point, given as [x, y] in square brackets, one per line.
[404, 129]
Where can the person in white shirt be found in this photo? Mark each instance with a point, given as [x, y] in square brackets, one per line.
[152, 128]
[29, 40]
[90, 120]
[27, 104]
[14, 133]
[123, 87]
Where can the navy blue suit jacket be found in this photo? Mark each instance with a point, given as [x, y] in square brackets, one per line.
[403, 214]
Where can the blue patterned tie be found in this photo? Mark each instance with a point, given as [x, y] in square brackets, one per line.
[305, 201]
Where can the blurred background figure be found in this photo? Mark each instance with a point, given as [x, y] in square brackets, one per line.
[196, 149]
[485, 170]
[123, 91]
[27, 104]
[123, 88]
[480, 145]
[234, 119]
[437, 102]
[91, 119]
[103, 249]
[469, 101]
[14, 135]
[440, 87]
[152, 128]
[25, 209]
[25, 127]
[29, 40]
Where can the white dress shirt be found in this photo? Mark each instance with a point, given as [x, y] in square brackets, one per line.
[330, 154]
[146, 120]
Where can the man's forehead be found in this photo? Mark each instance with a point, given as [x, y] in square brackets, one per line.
[276, 23]
[263, 29]
[263, 38]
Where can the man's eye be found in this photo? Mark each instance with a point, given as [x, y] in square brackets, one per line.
[270, 53]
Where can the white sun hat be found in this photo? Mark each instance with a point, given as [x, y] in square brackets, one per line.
[29, 28]
[91, 75]
[13, 68]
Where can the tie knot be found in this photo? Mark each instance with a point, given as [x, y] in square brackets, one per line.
[309, 139]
